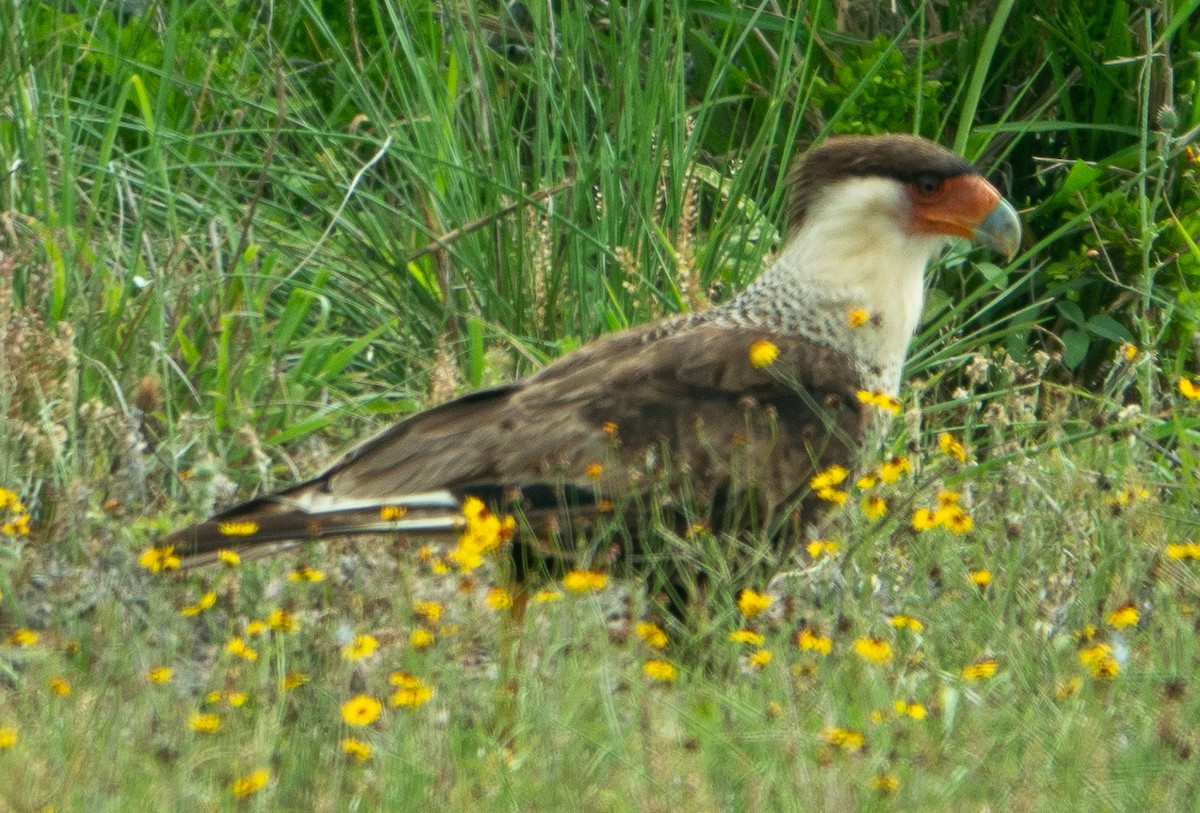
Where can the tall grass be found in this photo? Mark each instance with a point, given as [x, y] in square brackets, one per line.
[236, 235]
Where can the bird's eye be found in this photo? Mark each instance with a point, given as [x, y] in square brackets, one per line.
[928, 184]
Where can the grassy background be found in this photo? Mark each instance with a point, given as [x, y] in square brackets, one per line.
[234, 237]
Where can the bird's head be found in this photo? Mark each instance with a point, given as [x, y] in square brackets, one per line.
[867, 214]
[901, 188]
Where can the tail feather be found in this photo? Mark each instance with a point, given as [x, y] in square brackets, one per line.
[306, 514]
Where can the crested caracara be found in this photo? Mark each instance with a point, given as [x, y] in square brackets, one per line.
[677, 403]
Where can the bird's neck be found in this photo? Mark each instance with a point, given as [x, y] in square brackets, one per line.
[832, 275]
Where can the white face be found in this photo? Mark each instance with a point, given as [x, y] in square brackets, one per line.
[856, 250]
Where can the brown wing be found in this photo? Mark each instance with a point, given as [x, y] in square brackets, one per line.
[669, 401]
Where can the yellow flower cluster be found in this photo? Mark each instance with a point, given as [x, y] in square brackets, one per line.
[881, 400]
[651, 633]
[158, 559]
[360, 646]
[817, 547]
[751, 603]
[980, 670]
[411, 691]
[809, 641]
[484, 533]
[825, 483]
[745, 636]
[913, 710]
[1124, 616]
[1184, 550]
[906, 622]
[948, 514]
[356, 748]
[660, 670]
[844, 738]
[251, 783]
[951, 447]
[584, 581]
[875, 650]
[1099, 659]
[857, 317]
[17, 523]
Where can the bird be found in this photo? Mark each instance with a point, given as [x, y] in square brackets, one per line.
[738, 406]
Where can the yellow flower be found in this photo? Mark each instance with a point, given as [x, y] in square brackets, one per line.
[498, 599]
[809, 641]
[157, 559]
[22, 637]
[361, 710]
[411, 690]
[875, 650]
[894, 468]
[360, 646]
[844, 738]
[980, 670]
[282, 621]
[294, 680]
[951, 447]
[1085, 633]
[1124, 616]
[817, 547]
[8, 737]
[582, 581]
[238, 647]
[160, 674]
[483, 533]
[229, 557]
[746, 637]
[594, 471]
[391, 513]
[874, 506]
[857, 317]
[954, 519]
[304, 573]
[885, 783]
[830, 477]
[868, 480]
[1068, 688]
[660, 670]
[763, 353]
[207, 600]
[421, 638]
[1100, 661]
[923, 520]
[543, 596]
[204, 723]
[833, 495]
[913, 710]
[256, 627]
[760, 659]
[651, 633]
[981, 578]
[60, 686]
[1186, 550]
[430, 611]
[1128, 351]
[906, 622]
[881, 400]
[750, 603]
[238, 528]
[1189, 389]
[250, 783]
[356, 748]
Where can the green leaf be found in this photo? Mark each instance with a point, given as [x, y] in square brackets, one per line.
[1071, 312]
[1109, 328]
[1075, 347]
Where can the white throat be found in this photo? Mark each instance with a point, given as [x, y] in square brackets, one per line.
[853, 253]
